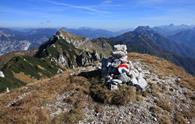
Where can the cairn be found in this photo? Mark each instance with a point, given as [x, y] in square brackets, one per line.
[117, 70]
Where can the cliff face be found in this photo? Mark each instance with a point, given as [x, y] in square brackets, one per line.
[79, 96]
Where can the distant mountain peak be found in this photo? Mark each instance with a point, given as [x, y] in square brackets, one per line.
[143, 29]
[63, 34]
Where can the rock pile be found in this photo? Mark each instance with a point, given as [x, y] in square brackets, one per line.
[117, 70]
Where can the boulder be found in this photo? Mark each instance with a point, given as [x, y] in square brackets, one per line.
[142, 82]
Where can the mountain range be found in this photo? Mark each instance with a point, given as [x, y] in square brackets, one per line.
[12, 39]
[171, 29]
[60, 82]
[145, 40]
[63, 50]
[177, 47]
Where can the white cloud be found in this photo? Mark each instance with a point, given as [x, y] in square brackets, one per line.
[85, 8]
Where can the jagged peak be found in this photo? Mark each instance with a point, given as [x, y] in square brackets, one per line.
[61, 34]
[143, 29]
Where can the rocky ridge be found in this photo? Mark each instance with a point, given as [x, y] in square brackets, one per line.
[66, 98]
[53, 57]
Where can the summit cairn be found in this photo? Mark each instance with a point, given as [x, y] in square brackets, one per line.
[118, 70]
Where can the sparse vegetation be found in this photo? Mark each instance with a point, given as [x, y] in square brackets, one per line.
[86, 89]
[102, 94]
[165, 103]
[28, 110]
[163, 67]
[74, 116]
[29, 67]
[164, 119]
[179, 119]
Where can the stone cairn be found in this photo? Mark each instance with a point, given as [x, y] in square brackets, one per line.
[117, 70]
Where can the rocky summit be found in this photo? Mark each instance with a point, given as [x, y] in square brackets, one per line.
[74, 80]
[80, 95]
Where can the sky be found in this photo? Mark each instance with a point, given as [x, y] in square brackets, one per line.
[104, 14]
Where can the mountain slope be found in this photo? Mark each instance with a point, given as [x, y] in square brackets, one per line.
[146, 40]
[17, 40]
[169, 30]
[186, 38]
[67, 99]
[62, 51]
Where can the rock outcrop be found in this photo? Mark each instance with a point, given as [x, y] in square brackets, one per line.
[67, 50]
[77, 41]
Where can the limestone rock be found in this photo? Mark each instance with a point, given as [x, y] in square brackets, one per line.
[118, 54]
[120, 47]
[62, 61]
[7, 90]
[2, 74]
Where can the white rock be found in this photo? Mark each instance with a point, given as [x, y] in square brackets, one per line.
[2, 74]
[142, 83]
[119, 54]
[60, 71]
[117, 81]
[62, 60]
[124, 59]
[134, 81]
[113, 87]
[7, 90]
[120, 47]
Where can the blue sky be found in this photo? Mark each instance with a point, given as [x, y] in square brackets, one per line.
[106, 14]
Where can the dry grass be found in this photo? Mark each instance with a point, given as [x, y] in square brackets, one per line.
[31, 110]
[163, 67]
[71, 117]
[23, 77]
[165, 103]
[179, 119]
[78, 99]
[156, 90]
[102, 94]
[74, 116]
[28, 109]
[5, 58]
[164, 119]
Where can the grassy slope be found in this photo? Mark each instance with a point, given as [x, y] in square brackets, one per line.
[22, 67]
[29, 110]
[30, 66]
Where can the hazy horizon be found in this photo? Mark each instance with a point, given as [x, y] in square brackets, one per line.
[99, 14]
[114, 30]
